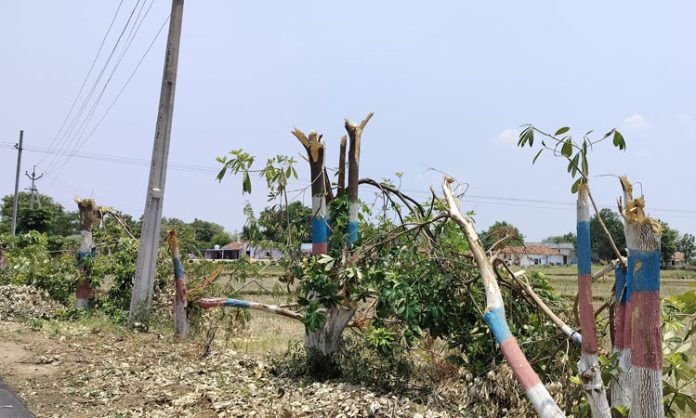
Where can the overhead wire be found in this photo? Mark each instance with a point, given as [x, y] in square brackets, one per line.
[84, 80]
[85, 102]
[116, 98]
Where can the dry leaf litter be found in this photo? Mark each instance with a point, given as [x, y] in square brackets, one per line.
[98, 373]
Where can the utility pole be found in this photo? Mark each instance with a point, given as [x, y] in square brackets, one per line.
[15, 201]
[149, 237]
[34, 190]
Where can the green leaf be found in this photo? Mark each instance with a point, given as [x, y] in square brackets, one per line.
[562, 130]
[585, 169]
[246, 183]
[527, 135]
[619, 141]
[567, 149]
[574, 188]
[537, 155]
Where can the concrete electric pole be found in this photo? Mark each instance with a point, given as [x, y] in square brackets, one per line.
[149, 237]
[15, 201]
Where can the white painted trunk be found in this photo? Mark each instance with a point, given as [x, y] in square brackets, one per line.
[323, 344]
[591, 376]
[621, 386]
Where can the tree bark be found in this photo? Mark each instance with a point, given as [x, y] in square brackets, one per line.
[342, 165]
[643, 304]
[315, 156]
[588, 366]
[621, 386]
[181, 325]
[495, 317]
[89, 215]
[323, 344]
[355, 135]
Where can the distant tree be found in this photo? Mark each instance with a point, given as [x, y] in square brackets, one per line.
[504, 231]
[195, 236]
[51, 218]
[558, 239]
[599, 243]
[208, 234]
[272, 222]
[687, 245]
[669, 242]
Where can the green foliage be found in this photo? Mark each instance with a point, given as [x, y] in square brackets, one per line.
[117, 267]
[669, 241]
[29, 262]
[501, 234]
[196, 236]
[687, 245]
[599, 243]
[50, 218]
[563, 145]
[559, 239]
[679, 369]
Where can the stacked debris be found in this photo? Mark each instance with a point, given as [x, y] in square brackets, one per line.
[26, 302]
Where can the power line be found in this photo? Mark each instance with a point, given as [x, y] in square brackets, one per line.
[208, 170]
[84, 80]
[79, 113]
[118, 96]
[79, 138]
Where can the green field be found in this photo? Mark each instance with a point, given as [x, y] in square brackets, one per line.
[564, 280]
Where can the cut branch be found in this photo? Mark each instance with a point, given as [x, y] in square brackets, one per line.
[355, 135]
[494, 315]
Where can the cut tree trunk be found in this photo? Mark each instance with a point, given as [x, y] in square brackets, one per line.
[494, 316]
[181, 325]
[355, 135]
[643, 304]
[588, 366]
[322, 345]
[621, 387]
[315, 156]
[89, 215]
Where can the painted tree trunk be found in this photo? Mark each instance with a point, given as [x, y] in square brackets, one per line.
[181, 325]
[588, 366]
[643, 303]
[494, 316]
[621, 388]
[85, 294]
[315, 156]
[89, 214]
[355, 135]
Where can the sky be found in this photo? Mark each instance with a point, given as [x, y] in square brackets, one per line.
[450, 84]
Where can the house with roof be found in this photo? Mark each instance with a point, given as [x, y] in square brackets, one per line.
[533, 255]
[677, 259]
[231, 251]
[567, 249]
[241, 249]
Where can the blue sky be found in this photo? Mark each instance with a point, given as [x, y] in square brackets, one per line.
[450, 84]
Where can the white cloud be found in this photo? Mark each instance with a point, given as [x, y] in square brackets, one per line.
[635, 123]
[508, 136]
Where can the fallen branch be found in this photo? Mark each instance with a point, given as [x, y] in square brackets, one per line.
[494, 316]
[207, 303]
[516, 276]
